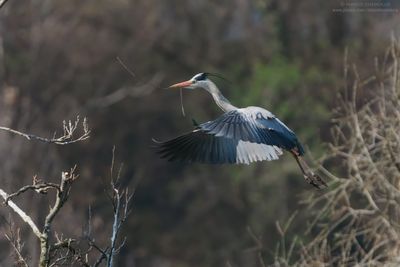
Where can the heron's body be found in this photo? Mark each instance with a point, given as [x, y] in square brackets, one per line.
[239, 136]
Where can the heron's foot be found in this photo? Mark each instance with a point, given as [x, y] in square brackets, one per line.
[314, 180]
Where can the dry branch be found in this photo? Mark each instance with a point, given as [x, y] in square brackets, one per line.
[2, 3]
[61, 197]
[357, 221]
[62, 193]
[69, 128]
[16, 245]
[121, 203]
[120, 199]
[62, 189]
[26, 218]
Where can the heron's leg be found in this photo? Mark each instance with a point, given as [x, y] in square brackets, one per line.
[308, 174]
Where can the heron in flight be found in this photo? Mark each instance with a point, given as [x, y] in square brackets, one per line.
[239, 136]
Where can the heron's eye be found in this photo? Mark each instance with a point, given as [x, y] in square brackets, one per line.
[194, 81]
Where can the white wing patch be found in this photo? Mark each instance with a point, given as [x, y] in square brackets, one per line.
[247, 152]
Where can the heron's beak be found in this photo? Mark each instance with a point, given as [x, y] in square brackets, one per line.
[181, 85]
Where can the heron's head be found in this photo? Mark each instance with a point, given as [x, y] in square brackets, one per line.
[199, 80]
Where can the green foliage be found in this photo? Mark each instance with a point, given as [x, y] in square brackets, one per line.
[268, 80]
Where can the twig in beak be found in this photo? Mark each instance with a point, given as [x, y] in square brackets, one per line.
[182, 107]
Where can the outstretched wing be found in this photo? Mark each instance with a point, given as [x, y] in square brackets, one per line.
[201, 146]
[255, 125]
[238, 136]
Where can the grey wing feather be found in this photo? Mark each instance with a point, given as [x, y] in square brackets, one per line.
[200, 146]
[255, 125]
[221, 127]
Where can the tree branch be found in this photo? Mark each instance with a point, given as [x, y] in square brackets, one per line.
[67, 138]
[16, 244]
[62, 195]
[26, 218]
[39, 188]
[67, 244]
[116, 226]
[2, 3]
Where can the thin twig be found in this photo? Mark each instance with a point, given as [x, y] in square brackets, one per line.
[17, 248]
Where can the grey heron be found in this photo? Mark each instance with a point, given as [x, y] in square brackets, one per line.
[239, 136]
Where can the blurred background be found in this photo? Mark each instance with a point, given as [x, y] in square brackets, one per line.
[58, 60]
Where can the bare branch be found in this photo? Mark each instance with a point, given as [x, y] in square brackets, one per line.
[26, 218]
[16, 244]
[2, 3]
[67, 251]
[62, 195]
[120, 200]
[68, 245]
[110, 261]
[357, 220]
[41, 188]
[121, 210]
[67, 138]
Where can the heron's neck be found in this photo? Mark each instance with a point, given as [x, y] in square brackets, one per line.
[219, 99]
